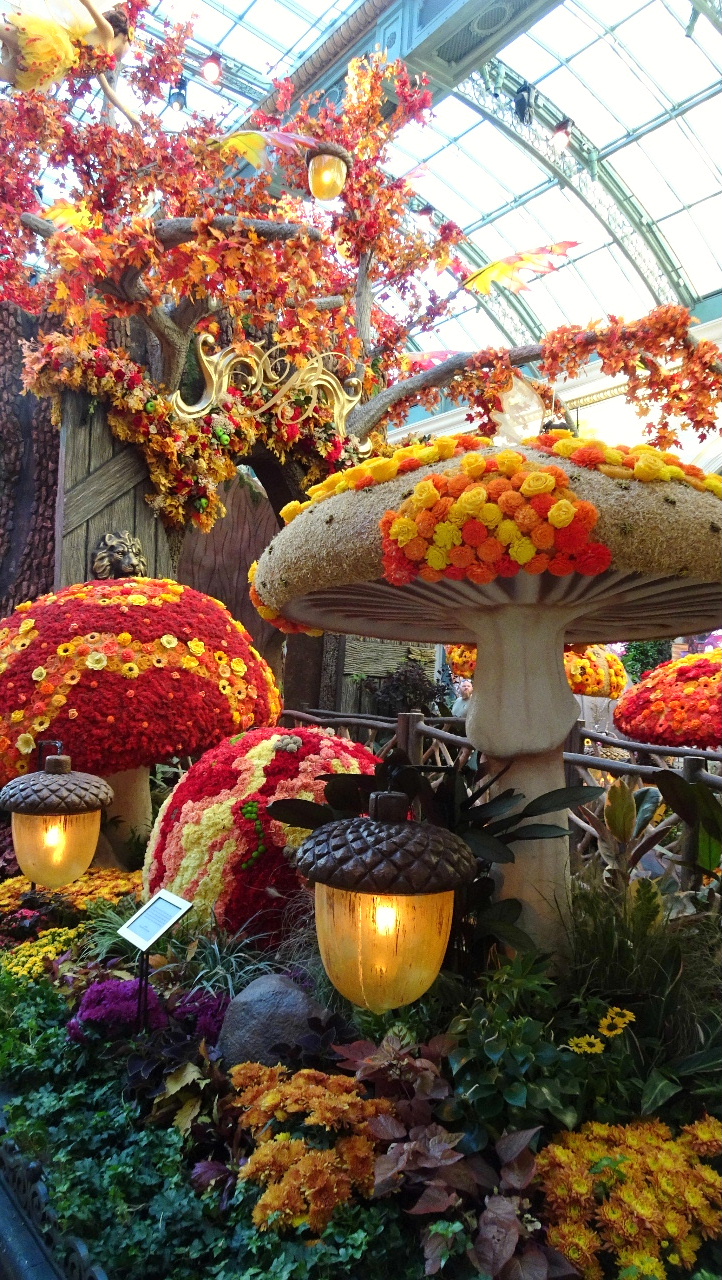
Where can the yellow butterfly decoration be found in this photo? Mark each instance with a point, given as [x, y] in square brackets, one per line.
[66, 216]
[252, 145]
[507, 271]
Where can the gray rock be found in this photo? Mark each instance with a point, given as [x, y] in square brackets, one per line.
[271, 1010]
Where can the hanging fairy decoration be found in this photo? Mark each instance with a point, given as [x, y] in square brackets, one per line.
[45, 42]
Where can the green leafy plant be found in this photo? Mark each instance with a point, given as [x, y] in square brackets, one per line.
[643, 655]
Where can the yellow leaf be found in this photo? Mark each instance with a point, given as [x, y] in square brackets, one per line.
[182, 1076]
[184, 1118]
[620, 813]
[61, 289]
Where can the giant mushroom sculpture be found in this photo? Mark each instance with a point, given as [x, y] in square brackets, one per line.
[678, 704]
[127, 674]
[517, 551]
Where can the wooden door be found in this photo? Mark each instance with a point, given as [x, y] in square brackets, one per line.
[102, 488]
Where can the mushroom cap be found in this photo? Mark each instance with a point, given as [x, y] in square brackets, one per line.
[326, 569]
[126, 673]
[386, 857]
[678, 704]
[594, 671]
[214, 840]
[462, 660]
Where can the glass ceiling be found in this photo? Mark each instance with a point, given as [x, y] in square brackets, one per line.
[640, 187]
[644, 98]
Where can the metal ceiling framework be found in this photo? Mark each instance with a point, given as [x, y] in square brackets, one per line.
[582, 168]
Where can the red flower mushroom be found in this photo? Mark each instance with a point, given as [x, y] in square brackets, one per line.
[678, 704]
[127, 674]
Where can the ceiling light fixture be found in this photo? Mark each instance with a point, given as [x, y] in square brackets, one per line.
[212, 68]
[177, 95]
[562, 134]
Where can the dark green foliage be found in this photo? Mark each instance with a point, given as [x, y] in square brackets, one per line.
[408, 689]
[644, 655]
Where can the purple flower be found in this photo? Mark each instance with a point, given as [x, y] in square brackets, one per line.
[206, 1008]
[111, 1006]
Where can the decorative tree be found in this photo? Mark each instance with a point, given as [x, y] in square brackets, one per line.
[164, 232]
[641, 656]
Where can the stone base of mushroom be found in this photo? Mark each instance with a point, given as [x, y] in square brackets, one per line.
[131, 806]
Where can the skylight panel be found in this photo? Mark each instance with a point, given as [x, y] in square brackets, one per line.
[420, 142]
[248, 48]
[448, 202]
[275, 20]
[452, 117]
[615, 84]
[610, 12]
[564, 31]
[565, 217]
[570, 292]
[528, 58]
[687, 172]
[514, 168]
[612, 279]
[644, 178]
[683, 233]
[580, 104]
[704, 122]
[656, 41]
[458, 173]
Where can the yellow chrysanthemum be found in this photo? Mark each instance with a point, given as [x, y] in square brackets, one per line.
[25, 744]
[39, 674]
[168, 641]
[197, 647]
[131, 670]
[447, 535]
[425, 495]
[436, 558]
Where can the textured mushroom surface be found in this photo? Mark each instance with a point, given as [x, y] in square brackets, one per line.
[386, 857]
[126, 673]
[326, 568]
[42, 792]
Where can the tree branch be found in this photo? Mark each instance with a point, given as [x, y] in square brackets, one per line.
[172, 232]
[364, 417]
[364, 300]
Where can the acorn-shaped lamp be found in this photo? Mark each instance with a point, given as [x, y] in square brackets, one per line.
[384, 901]
[55, 821]
[329, 165]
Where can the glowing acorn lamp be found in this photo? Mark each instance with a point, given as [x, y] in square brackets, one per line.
[329, 165]
[55, 821]
[384, 900]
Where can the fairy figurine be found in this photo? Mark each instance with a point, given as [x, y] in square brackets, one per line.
[43, 41]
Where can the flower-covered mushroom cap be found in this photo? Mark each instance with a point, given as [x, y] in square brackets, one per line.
[126, 673]
[214, 841]
[517, 550]
[678, 704]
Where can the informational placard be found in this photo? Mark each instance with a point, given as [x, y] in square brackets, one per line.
[154, 919]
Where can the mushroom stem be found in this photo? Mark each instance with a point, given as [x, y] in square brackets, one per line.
[521, 711]
[539, 875]
[131, 806]
[522, 703]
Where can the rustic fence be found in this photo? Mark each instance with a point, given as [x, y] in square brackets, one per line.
[440, 740]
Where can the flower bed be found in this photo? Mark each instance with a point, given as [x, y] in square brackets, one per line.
[543, 1131]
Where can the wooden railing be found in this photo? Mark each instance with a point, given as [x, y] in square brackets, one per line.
[432, 741]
